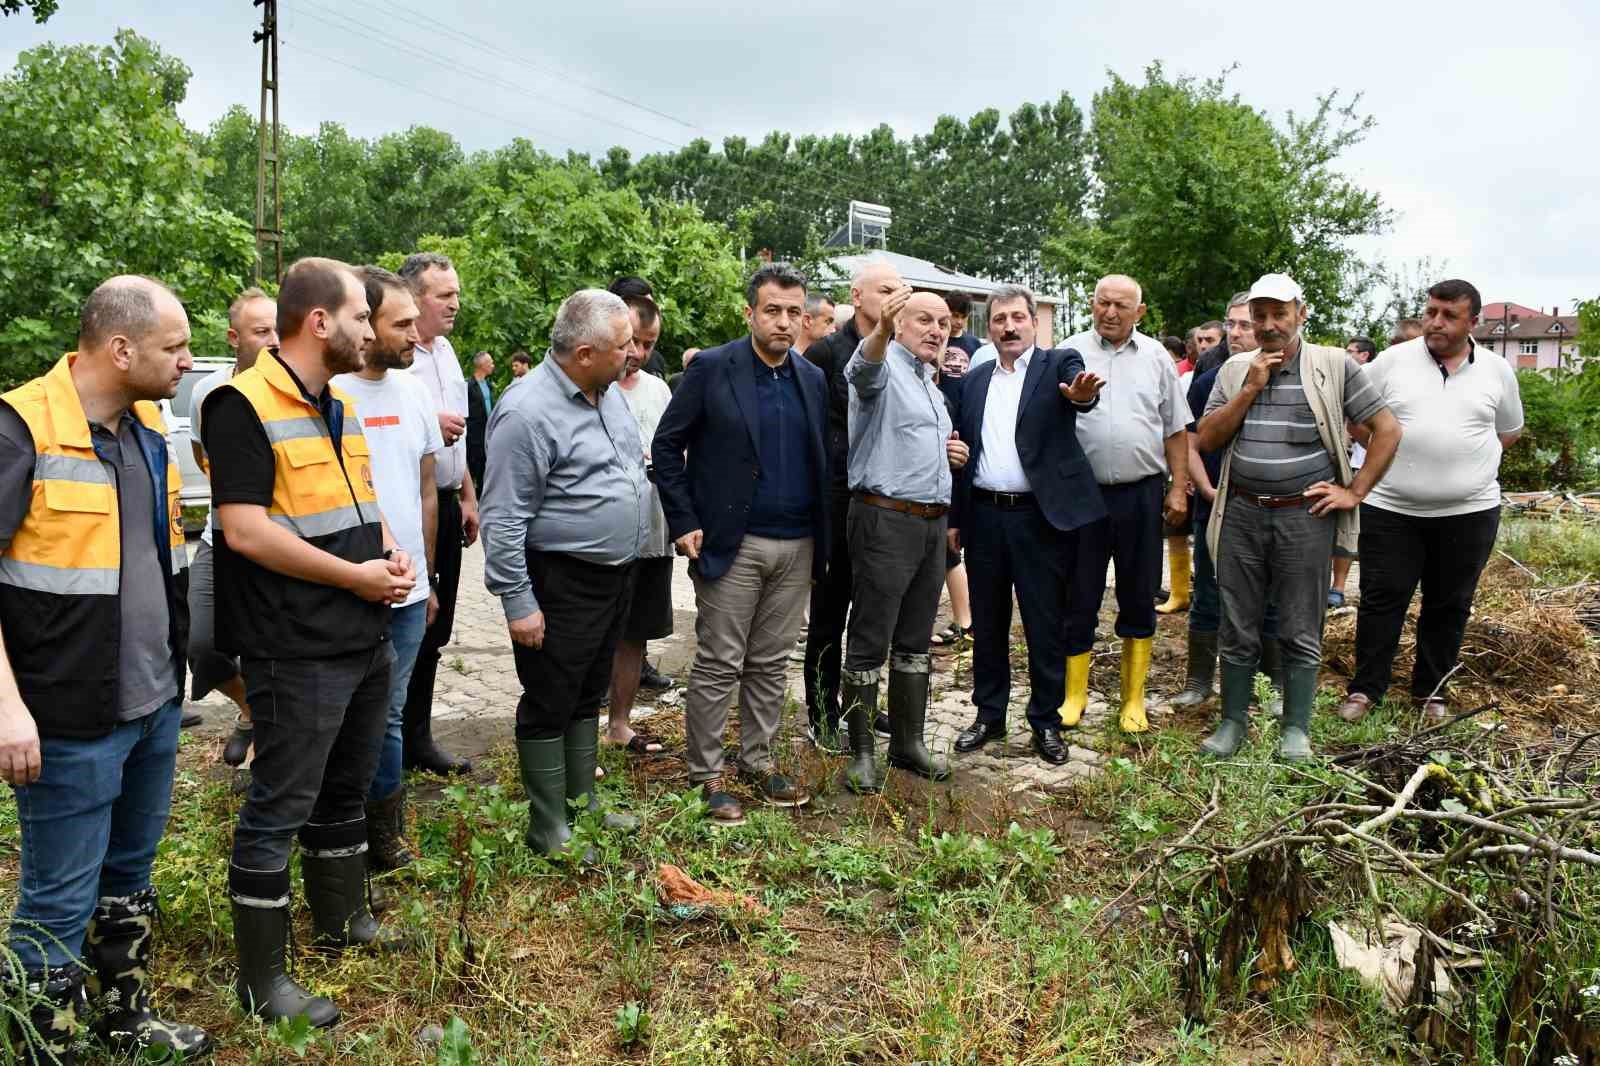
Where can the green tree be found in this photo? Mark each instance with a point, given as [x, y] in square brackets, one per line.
[556, 229]
[98, 177]
[1197, 193]
[40, 9]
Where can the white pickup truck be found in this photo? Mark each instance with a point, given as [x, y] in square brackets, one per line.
[196, 491]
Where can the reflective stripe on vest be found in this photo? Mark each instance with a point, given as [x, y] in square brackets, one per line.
[70, 540]
[313, 495]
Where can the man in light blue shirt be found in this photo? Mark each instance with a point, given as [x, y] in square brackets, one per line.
[902, 450]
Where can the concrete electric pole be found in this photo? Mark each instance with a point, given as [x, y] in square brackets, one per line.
[269, 193]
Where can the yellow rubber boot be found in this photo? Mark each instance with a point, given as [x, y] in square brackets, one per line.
[1135, 665]
[1178, 563]
[1077, 690]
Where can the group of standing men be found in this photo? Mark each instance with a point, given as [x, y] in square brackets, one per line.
[344, 458]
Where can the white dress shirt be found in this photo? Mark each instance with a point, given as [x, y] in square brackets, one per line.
[440, 373]
[1140, 406]
[999, 466]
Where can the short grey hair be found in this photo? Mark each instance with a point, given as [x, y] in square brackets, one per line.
[1239, 299]
[121, 306]
[1016, 292]
[815, 300]
[419, 263]
[585, 317]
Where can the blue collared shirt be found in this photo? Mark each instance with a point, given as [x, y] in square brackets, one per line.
[784, 498]
[898, 428]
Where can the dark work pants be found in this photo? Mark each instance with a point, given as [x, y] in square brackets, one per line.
[1277, 554]
[319, 727]
[1129, 536]
[1205, 612]
[899, 572]
[1398, 552]
[1015, 547]
[830, 605]
[585, 606]
[418, 712]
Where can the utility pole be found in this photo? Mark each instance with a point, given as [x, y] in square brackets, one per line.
[269, 193]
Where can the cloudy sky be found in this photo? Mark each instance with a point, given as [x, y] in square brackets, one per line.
[1486, 112]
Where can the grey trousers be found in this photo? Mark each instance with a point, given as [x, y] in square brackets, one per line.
[747, 622]
[898, 561]
[1285, 553]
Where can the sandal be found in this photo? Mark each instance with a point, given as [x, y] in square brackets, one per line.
[639, 744]
[950, 636]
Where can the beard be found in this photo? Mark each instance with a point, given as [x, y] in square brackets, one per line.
[342, 354]
[377, 356]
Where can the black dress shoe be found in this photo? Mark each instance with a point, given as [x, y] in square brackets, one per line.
[978, 734]
[1048, 743]
[435, 760]
[651, 678]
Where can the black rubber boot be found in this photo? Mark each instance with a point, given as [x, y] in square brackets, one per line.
[1237, 684]
[333, 862]
[1299, 696]
[53, 1002]
[261, 936]
[117, 952]
[580, 752]
[1202, 667]
[387, 848]
[908, 716]
[542, 764]
[860, 704]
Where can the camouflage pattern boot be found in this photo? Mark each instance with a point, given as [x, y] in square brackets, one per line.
[51, 1027]
[117, 953]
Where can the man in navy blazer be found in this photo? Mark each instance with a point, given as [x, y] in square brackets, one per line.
[741, 462]
[1027, 486]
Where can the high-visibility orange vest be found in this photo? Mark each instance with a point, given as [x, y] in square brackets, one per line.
[61, 575]
[323, 493]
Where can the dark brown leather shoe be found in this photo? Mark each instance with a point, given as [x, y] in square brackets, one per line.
[723, 805]
[1355, 707]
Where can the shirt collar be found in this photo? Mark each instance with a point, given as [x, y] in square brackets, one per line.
[917, 365]
[784, 369]
[564, 383]
[1131, 342]
[1021, 366]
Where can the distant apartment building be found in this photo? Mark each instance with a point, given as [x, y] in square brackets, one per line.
[1530, 338]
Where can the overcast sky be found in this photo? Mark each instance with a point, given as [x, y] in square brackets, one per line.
[1486, 113]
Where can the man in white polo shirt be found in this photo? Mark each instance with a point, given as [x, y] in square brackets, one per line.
[1433, 519]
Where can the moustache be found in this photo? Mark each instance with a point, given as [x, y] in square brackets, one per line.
[1010, 336]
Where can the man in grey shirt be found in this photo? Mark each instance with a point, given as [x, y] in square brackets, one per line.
[566, 510]
[1285, 494]
[902, 450]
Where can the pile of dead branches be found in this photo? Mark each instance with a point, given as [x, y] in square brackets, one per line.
[1503, 843]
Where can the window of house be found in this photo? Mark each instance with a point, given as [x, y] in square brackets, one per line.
[1529, 347]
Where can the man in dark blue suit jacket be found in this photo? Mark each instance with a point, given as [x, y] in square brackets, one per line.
[741, 462]
[1027, 486]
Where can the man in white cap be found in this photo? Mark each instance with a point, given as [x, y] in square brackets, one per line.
[1286, 494]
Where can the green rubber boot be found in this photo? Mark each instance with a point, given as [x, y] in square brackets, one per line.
[543, 766]
[1202, 667]
[1237, 682]
[581, 749]
[1299, 696]
[860, 705]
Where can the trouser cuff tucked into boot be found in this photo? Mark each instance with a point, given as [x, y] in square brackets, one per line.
[908, 716]
[117, 951]
[261, 929]
[860, 701]
[333, 862]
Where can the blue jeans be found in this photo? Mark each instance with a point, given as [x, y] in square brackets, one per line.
[90, 826]
[406, 628]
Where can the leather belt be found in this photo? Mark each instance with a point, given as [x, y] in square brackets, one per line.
[920, 510]
[1003, 499]
[1271, 503]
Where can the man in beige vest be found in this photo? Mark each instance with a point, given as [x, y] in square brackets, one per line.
[1286, 494]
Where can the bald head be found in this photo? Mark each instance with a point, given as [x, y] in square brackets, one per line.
[1117, 307]
[133, 338]
[868, 289]
[924, 326]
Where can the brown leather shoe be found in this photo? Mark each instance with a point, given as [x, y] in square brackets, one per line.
[724, 808]
[1435, 709]
[1355, 707]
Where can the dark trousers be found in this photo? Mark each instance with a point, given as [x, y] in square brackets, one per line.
[1398, 552]
[1280, 555]
[319, 726]
[830, 605]
[418, 712]
[585, 606]
[1205, 611]
[899, 571]
[1015, 547]
[1130, 537]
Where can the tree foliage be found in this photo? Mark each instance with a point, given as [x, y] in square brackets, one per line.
[1196, 194]
[1560, 444]
[41, 10]
[98, 177]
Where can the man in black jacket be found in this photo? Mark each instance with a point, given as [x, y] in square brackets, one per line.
[830, 596]
[480, 401]
[1027, 486]
[742, 467]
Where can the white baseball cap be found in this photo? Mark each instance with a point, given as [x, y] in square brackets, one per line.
[1276, 287]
